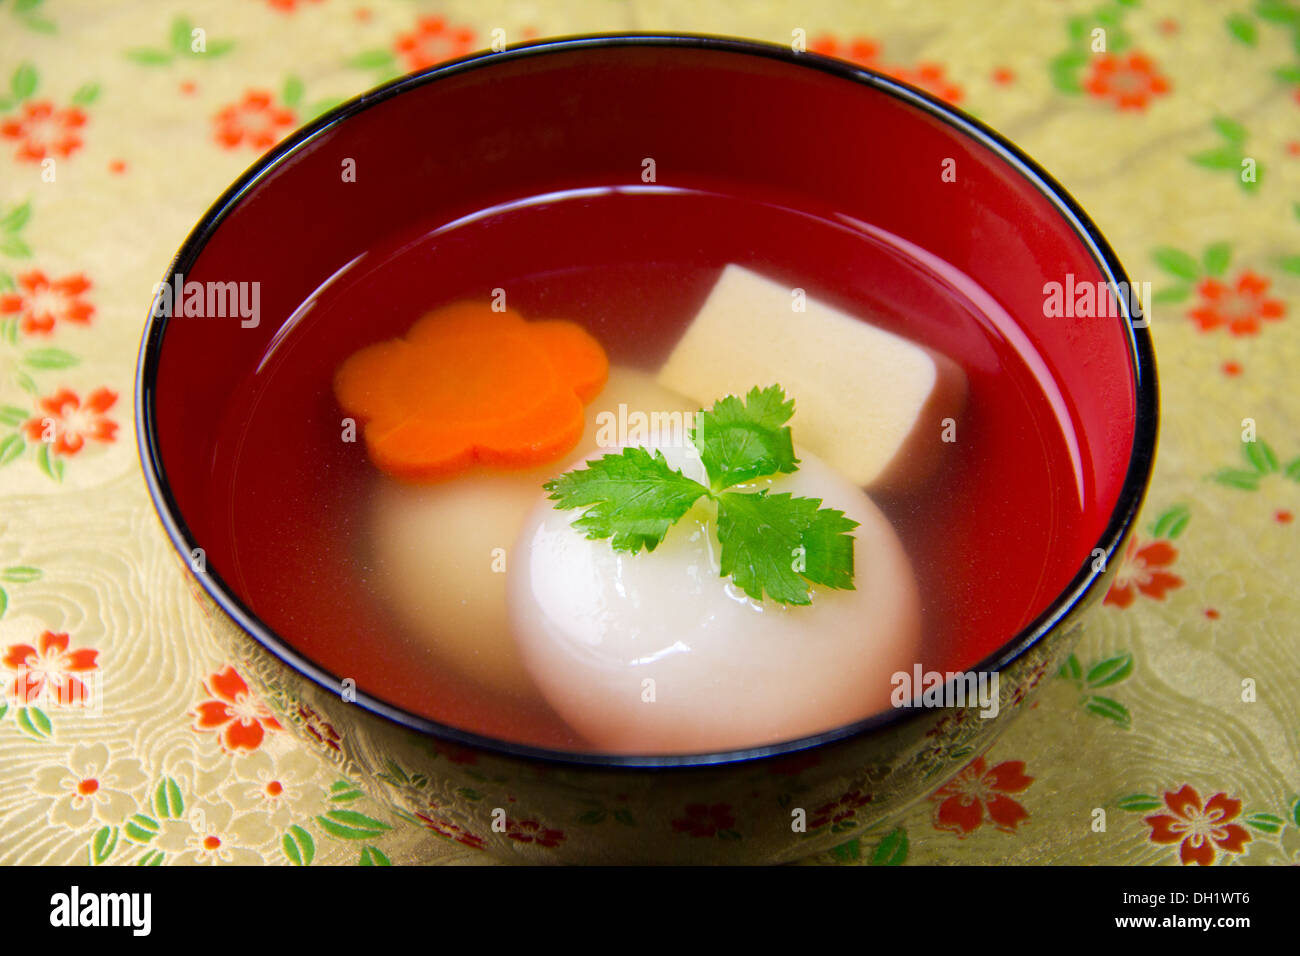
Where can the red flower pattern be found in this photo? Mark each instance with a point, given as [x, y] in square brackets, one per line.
[319, 727]
[41, 302]
[67, 423]
[705, 820]
[865, 51]
[1131, 81]
[288, 6]
[932, 78]
[978, 795]
[1240, 307]
[40, 130]
[234, 713]
[1141, 573]
[530, 831]
[839, 813]
[445, 828]
[432, 41]
[1198, 828]
[49, 662]
[861, 50]
[255, 121]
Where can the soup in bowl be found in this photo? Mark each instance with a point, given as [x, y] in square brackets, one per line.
[622, 438]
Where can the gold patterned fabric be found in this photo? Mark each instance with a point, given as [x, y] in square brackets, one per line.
[1172, 736]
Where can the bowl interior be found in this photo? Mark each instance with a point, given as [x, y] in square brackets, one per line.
[751, 144]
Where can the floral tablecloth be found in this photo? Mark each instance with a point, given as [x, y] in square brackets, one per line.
[1172, 736]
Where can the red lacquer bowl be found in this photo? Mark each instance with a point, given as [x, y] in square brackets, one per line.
[584, 113]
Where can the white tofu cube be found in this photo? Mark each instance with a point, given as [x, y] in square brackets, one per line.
[870, 403]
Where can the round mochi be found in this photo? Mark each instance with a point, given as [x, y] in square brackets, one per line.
[442, 551]
[656, 653]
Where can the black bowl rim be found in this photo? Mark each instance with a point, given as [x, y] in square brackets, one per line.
[1072, 597]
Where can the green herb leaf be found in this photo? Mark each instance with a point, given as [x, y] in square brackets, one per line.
[632, 497]
[739, 441]
[828, 549]
[771, 544]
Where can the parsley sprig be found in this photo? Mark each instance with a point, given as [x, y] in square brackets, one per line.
[772, 544]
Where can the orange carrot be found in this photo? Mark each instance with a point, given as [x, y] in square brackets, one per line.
[469, 385]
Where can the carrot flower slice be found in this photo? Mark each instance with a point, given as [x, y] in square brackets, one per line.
[468, 385]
